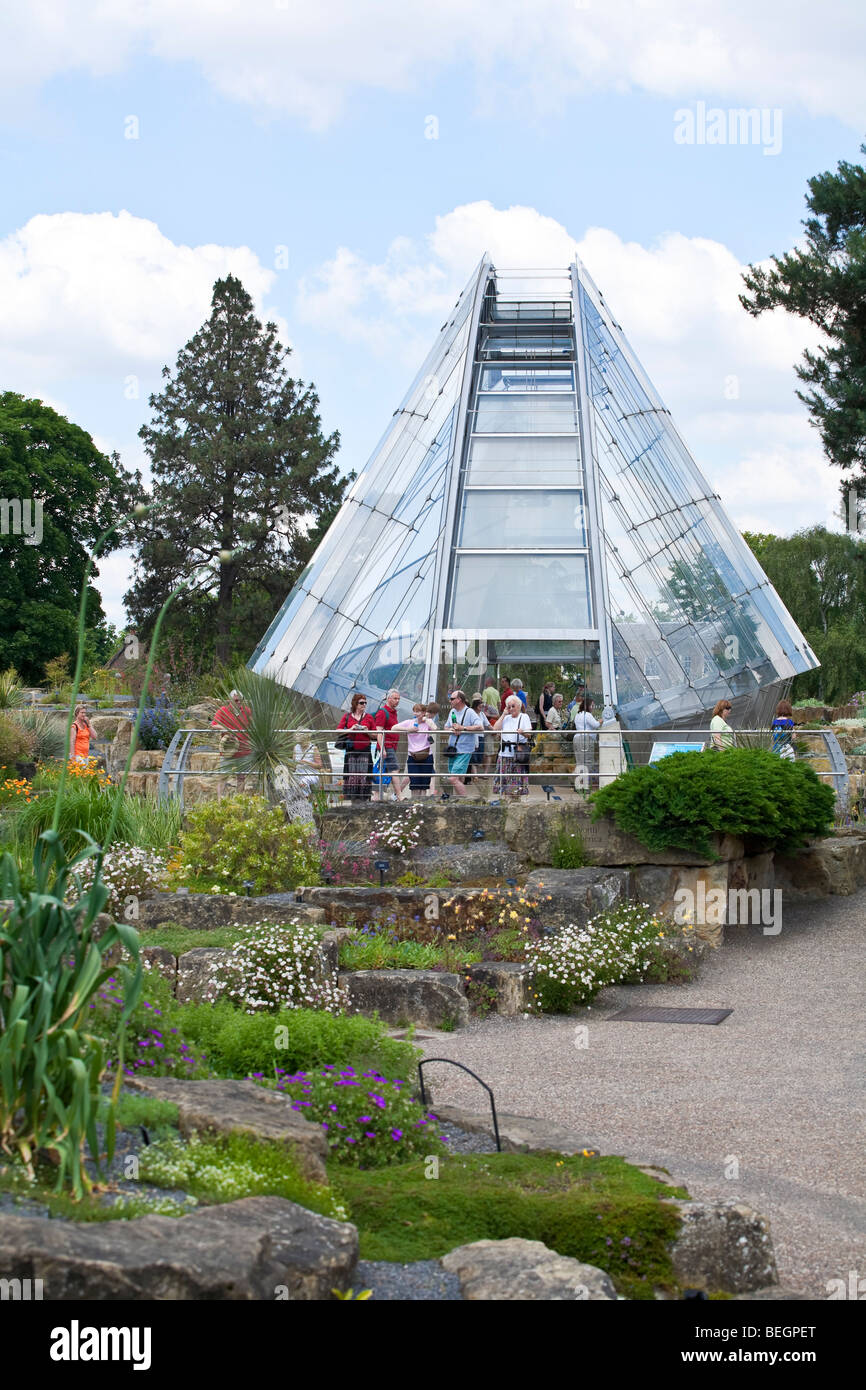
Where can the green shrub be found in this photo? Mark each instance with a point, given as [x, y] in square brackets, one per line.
[47, 731]
[368, 1120]
[681, 801]
[601, 1211]
[238, 1044]
[11, 693]
[86, 808]
[16, 742]
[244, 838]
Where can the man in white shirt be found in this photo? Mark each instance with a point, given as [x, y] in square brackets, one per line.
[465, 726]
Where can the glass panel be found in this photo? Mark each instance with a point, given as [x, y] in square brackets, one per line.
[536, 519]
[525, 342]
[518, 376]
[542, 460]
[536, 414]
[521, 591]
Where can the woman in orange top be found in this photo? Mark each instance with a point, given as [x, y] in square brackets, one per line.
[80, 735]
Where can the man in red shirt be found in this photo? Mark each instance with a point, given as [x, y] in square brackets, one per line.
[233, 718]
[386, 718]
[505, 688]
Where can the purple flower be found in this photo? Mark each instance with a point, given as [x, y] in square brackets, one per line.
[365, 1119]
[368, 1135]
[396, 1134]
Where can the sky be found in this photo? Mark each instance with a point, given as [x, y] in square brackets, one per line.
[351, 163]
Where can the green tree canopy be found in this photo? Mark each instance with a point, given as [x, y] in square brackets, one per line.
[820, 576]
[240, 466]
[825, 282]
[46, 459]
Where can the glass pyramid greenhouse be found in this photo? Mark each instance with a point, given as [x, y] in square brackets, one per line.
[531, 510]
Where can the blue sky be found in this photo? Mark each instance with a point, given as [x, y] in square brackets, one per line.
[266, 125]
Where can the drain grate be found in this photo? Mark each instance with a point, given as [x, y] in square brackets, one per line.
[648, 1015]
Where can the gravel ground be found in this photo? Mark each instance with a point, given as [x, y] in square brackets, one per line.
[775, 1096]
[422, 1281]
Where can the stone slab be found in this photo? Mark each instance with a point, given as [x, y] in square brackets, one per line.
[241, 1107]
[428, 997]
[517, 1270]
[575, 895]
[207, 911]
[259, 1248]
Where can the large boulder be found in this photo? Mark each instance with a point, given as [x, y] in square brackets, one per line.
[724, 1247]
[428, 997]
[257, 1248]
[440, 823]
[517, 1270]
[506, 984]
[241, 1107]
[575, 895]
[834, 865]
[147, 760]
[531, 828]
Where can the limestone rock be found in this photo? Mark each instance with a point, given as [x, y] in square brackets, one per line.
[105, 726]
[195, 973]
[834, 865]
[428, 997]
[724, 1247]
[159, 959]
[530, 830]
[207, 911]
[575, 895]
[241, 1107]
[508, 979]
[147, 760]
[517, 1270]
[257, 1248]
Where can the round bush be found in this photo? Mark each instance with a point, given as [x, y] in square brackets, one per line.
[680, 802]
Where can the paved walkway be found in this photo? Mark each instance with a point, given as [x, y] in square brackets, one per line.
[779, 1086]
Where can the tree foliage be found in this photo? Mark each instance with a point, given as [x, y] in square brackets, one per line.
[820, 576]
[240, 468]
[45, 458]
[825, 282]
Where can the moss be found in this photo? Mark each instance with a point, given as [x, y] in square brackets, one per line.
[598, 1210]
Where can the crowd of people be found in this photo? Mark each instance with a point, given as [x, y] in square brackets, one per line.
[490, 738]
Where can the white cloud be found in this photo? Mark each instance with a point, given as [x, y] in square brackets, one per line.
[728, 379]
[95, 293]
[312, 60]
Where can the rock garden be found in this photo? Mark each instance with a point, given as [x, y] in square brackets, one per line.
[236, 1003]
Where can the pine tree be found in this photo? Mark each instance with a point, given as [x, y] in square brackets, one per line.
[826, 284]
[239, 465]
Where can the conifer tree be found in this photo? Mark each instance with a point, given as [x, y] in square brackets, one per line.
[241, 467]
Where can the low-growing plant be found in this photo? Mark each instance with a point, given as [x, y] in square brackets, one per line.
[378, 952]
[129, 874]
[683, 800]
[245, 838]
[275, 967]
[239, 1044]
[225, 1169]
[567, 849]
[398, 833]
[570, 967]
[368, 1119]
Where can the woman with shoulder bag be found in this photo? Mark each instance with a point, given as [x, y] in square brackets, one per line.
[355, 742]
[515, 728]
[419, 762]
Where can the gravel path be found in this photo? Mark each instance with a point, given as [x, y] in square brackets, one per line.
[769, 1107]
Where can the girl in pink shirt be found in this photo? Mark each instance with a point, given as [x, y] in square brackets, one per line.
[419, 763]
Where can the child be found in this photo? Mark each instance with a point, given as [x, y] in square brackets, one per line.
[419, 762]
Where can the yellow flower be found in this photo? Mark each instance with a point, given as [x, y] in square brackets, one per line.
[452, 937]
